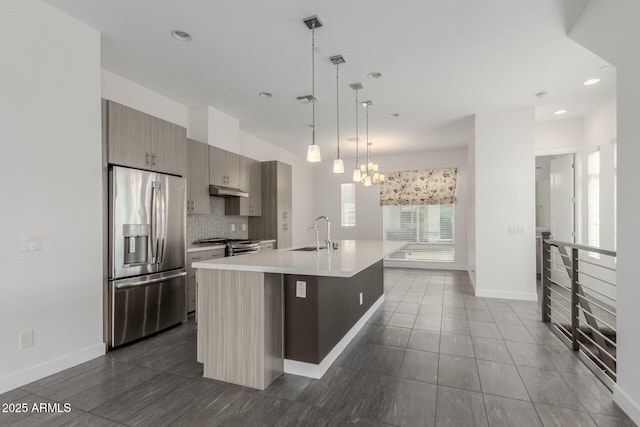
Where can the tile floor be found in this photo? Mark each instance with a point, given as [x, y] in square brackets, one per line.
[432, 355]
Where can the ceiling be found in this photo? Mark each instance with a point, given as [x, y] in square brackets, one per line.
[441, 61]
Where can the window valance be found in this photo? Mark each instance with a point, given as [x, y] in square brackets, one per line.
[419, 187]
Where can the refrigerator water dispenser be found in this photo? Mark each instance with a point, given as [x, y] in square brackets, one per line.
[136, 244]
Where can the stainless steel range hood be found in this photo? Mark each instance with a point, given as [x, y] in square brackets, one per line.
[219, 191]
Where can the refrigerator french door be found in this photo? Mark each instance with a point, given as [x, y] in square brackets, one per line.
[147, 275]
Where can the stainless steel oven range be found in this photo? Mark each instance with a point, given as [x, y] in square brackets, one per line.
[234, 247]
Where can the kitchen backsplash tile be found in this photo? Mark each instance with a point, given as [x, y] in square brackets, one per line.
[216, 224]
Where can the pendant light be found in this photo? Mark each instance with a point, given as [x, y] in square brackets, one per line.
[356, 171]
[313, 150]
[338, 164]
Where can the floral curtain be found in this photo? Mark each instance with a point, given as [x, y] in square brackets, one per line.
[419, 187]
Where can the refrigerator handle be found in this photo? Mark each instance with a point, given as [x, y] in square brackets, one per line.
[154, 225]
[162, 238]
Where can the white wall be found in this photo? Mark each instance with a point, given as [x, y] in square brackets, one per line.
[126, 92]
[368, 209]
[620, 49]
[50, 170]
[558, 136]
[200, 123]
[505, 197]
[471, 204]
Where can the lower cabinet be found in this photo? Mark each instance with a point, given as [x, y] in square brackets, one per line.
[192, 284]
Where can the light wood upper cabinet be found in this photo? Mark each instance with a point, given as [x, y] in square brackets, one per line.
[224, 168]
[255, 188]
[197, 177]
[138, 140]
[128, 133]
[250, 180]
[168, 147]
[232, 165]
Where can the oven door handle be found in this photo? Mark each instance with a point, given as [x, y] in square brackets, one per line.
[150, 282]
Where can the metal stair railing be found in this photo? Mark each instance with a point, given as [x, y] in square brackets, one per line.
[579, 304]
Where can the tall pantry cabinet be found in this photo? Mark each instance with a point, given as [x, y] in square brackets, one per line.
[275, 221]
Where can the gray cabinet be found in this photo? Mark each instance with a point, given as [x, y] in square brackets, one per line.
[192, 284]
[197, 177]
[138, 140]
[275, 221]
[224, 168]
[250, 180]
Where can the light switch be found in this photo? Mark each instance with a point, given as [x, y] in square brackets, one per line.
[301, 289]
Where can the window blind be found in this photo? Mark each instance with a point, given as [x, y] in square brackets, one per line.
[593, 201]
[348, 204]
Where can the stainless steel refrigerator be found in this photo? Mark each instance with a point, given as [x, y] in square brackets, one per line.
[147, 275]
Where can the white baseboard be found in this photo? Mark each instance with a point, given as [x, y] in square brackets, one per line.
[424, 265]
[628, 405]
[522, 296]
[26, 376]
[312, 370]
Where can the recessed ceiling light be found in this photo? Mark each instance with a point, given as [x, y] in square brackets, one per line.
[560, 112]
[394, 114]
[591, 81]
[265, 94]
[180, 35]
[374, 75]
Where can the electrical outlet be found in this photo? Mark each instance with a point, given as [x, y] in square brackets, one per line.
[301, 289]
[233, 228]
[30, 242]
[512, 229]
[361, 299]
[244, 227]
[25, 339]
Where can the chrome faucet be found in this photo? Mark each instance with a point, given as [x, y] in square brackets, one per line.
[328, 239]
[317, 243]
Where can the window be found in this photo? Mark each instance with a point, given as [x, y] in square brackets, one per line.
[348, 204]
[593, 201]
[430, 229]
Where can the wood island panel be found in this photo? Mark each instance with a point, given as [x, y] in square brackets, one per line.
[240, 326]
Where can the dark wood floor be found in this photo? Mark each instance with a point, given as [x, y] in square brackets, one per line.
[432, 355]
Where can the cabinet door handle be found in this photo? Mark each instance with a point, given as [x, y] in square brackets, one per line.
[153, 159]
[146, 161]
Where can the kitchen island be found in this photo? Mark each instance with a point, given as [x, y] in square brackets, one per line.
[286, 310]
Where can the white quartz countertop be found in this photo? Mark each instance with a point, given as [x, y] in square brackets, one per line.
[350, 258]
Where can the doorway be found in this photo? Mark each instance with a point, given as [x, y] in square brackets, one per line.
[555, 200]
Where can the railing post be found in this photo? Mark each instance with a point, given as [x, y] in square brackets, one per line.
[575, 323]
[546, 268]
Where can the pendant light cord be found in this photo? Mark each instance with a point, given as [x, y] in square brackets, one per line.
[367, 139]
[338, 108]
[313, 82]
[357, 137]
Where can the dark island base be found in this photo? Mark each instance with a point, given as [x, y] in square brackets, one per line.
[315, 324]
